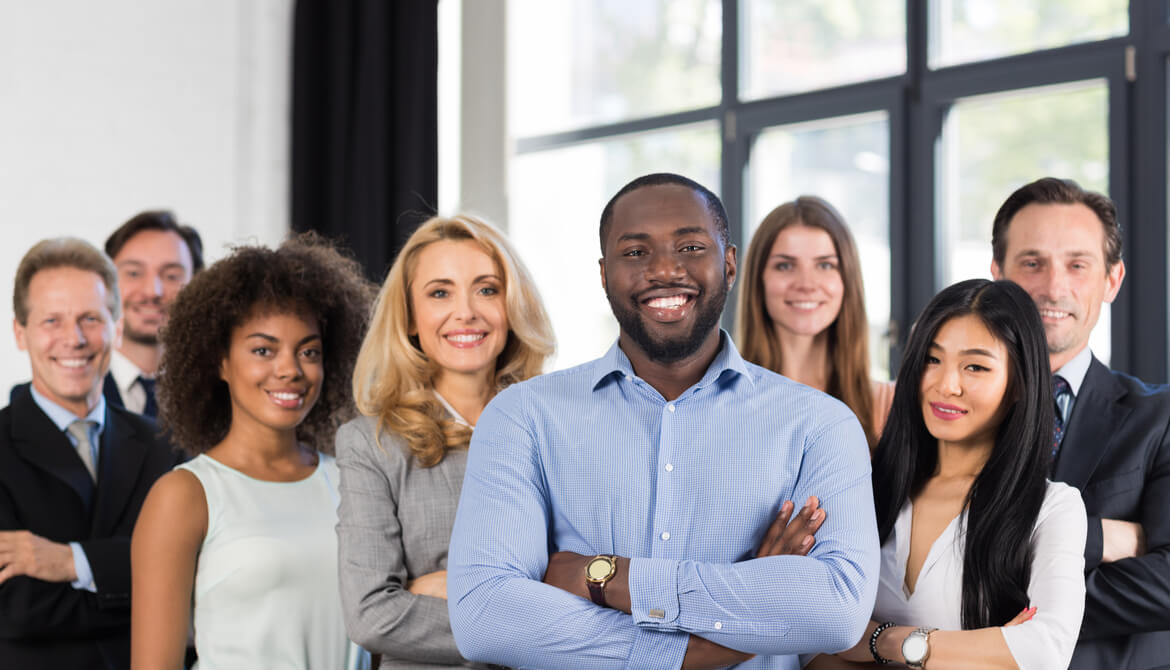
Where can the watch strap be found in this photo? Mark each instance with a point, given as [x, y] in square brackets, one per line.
[597, 594]
[923, 632]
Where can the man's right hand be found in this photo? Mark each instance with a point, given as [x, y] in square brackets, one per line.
[1121, 539]
[795, 537]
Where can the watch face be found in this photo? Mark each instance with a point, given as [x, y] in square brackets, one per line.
[914, 648]
[599, 569]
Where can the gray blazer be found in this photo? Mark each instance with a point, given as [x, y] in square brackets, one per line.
[394, 524]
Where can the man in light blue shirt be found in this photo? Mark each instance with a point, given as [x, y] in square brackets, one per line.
[646, 480]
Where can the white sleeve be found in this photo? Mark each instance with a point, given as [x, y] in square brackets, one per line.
[1057, 585]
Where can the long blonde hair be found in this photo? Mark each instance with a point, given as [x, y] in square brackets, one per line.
[393, 378]
[848, 337]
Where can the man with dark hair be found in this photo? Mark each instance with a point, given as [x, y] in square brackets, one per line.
[74, 470]
[654, 482]
[156, 256]
[1063, 245]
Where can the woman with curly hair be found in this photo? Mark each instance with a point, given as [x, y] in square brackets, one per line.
[258, 353]
[457, 319]
[801, 309]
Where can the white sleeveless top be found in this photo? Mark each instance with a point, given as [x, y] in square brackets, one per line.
[266, 592]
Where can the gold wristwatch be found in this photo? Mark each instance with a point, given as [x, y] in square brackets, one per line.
[598, 571]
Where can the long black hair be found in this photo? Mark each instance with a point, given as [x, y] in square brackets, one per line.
[1005, 498]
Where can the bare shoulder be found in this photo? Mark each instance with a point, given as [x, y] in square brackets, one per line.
[175, 506]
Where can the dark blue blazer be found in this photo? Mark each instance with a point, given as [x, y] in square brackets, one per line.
[44, 488]
[1116, 450]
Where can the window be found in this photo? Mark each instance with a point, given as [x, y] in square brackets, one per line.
[916, 120]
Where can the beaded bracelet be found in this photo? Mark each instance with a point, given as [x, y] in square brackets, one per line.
[873, 638]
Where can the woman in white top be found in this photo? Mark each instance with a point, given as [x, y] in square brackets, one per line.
[457, 319]
[982, 558]
[255, 379]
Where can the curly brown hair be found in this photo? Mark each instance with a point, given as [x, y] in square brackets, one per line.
[306, 275]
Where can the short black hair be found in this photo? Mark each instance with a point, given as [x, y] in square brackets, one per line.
[1049, 191]
[160, 219]
[714, 204]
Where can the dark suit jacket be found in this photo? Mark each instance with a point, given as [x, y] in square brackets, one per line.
[1116, 450]
[45, 489]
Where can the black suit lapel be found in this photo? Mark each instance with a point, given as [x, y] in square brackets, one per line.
[110, 391]
[38, 440]
[122, 455]
[1096, 417]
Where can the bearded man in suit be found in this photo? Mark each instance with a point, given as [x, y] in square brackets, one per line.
[74, 470]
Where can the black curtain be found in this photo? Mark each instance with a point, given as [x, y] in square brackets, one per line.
[365, 122]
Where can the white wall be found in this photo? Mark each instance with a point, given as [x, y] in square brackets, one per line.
[110, 107]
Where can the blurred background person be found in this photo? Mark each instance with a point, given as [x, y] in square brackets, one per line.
[457, 320]
[982, 558]
[255, 379]
[801, 309]
[156, 256]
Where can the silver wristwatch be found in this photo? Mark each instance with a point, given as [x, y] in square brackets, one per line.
[916, 647]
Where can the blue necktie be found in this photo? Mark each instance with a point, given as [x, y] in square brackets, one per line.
[151, 407]
[1061, 393]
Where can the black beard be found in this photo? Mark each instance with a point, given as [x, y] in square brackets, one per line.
[140, 338]
[708, 309]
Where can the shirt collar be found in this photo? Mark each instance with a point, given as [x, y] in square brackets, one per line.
[728, 360]
[1075, 370]
[124, 370]
[62, 417]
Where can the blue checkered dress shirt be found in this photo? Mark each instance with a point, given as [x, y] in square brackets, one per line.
[593, 460]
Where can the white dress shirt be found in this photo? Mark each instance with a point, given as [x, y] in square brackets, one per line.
[125, 374]
[1056, 587]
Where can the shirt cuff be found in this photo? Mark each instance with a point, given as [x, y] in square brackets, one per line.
[657, 649]
[653, 584]
[84, 581]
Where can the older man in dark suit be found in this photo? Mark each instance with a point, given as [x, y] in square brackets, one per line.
[1063, 245]
[73, 471]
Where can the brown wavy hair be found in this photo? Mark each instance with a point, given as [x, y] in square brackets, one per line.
[393, 378]
[848, 337]
[306, 275]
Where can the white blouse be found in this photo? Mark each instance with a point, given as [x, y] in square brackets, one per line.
[1056, 587]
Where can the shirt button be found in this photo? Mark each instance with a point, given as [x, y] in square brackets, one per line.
[669, 467]
[629, 378]
[670, 407]
[665, 536]
[718, 625]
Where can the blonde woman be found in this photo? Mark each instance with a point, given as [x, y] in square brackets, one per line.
[457, 319]
[801, 309]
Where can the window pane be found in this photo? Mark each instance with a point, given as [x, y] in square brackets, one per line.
[993, 144]
[969, 30]
[791, 46]
[846, 161]
[575, 63]
[556, 198]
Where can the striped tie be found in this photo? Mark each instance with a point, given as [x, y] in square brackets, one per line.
[1061, 394]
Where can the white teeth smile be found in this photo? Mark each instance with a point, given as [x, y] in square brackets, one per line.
[1053, 314]
[284, 396]
[73, 362]
[670, 302]
[944, 410]
[805, 305]
[467, 338]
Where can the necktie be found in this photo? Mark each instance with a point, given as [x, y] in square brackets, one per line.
[79, 429]
[1061, 394]
[151, 407]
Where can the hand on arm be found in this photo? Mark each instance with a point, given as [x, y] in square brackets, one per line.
[166, 542]
[23, 553]
[433, 584]
[1121, 539]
